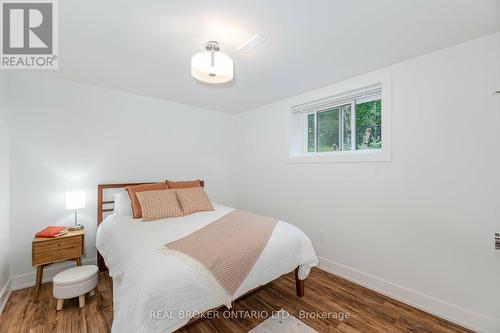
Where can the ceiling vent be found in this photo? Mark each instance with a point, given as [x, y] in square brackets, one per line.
[252, 43]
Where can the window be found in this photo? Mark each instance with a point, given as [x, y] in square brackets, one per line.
[345, 127]
[335, 128]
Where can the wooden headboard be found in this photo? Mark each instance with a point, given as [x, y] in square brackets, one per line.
[104, 206]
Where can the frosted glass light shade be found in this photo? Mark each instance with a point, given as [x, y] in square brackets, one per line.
[75, 199]
[220, 72]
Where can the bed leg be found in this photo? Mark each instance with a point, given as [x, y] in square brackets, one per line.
[100, 263]
[232, 311]
[299, 284]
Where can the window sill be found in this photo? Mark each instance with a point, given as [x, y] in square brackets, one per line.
[378, 155]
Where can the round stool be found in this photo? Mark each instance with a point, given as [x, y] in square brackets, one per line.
[75, 282]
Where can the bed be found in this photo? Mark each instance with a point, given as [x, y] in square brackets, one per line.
[155, 292]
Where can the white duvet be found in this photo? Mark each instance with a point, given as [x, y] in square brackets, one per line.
[152, 292]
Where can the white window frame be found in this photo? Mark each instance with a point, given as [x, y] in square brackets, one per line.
[299, 143]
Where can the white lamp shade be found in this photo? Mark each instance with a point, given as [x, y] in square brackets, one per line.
[75, 199]
[220, 72]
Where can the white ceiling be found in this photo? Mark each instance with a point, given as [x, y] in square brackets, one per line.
[145, 47]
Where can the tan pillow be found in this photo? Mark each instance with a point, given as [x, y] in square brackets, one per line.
[159, 204]
[132, 190]
[183, 184]
[193, 200]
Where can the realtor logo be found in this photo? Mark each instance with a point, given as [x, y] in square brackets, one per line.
[29, 34]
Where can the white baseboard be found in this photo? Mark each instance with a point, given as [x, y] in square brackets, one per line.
[4, 295]
[28, 279]
[437, 307]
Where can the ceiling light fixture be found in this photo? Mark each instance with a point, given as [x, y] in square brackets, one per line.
[252, 43]
[212, 66]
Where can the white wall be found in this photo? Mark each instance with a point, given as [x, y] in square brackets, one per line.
[419, 227]
[70, 136]
[4, 193]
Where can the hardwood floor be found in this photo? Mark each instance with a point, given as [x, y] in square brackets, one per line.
[369, 311]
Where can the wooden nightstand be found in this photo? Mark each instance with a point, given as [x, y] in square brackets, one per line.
[45, 251]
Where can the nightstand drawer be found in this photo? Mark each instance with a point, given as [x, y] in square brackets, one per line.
[56, 255]
[57, 249]
[55, 244]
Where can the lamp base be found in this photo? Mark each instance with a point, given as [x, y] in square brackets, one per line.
[75, 227]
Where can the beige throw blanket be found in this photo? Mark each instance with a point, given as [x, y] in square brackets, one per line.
[226, 250]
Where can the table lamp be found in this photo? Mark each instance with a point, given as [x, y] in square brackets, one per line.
[75, 200]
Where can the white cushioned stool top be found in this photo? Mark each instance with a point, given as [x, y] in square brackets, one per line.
[75, 275]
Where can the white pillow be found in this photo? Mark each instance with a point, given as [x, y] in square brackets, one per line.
[123, 205]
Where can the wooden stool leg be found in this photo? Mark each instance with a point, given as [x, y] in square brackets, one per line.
[78, 261]
[81, 301]
[60, 303]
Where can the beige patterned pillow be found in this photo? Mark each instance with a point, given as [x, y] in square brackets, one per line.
[193, 200]
[158, 204]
